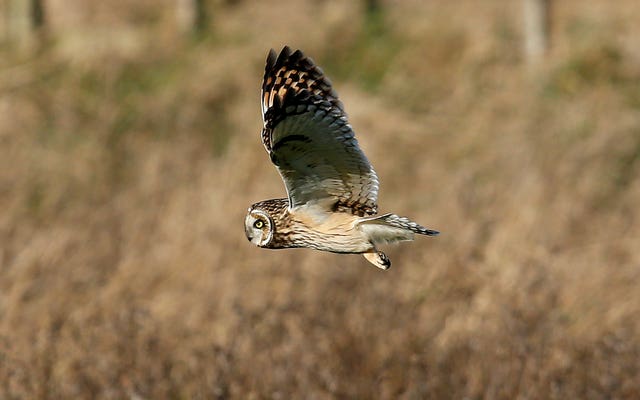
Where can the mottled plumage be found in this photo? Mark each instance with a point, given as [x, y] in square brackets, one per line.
[332, 188]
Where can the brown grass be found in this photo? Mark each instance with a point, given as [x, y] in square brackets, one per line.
[128, 158]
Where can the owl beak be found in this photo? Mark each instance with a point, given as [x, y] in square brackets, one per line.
[249, 234]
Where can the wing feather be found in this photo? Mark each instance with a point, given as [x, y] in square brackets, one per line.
[309, 139]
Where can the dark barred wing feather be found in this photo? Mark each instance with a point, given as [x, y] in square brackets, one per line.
[309, 139]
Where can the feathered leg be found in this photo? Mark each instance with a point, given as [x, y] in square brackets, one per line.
[378, 258]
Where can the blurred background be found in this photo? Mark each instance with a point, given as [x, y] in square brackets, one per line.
[130, 151]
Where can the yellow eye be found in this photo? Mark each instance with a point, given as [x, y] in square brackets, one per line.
[258, 224]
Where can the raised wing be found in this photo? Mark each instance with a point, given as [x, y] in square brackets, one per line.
[309, 139]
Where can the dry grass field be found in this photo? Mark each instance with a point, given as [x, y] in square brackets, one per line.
[129, 155]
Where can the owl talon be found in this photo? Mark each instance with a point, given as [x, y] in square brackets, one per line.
[379, 259]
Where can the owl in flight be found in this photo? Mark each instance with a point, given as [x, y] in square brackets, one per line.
[331, 186]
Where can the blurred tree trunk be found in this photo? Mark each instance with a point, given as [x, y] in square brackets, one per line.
[191, 16]
[373, 17]
[372, 6]
[536, 17]
[25, 19]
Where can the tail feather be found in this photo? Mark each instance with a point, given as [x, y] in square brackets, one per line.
[406, 223]
[391, 228]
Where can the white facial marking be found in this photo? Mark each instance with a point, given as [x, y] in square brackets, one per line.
[257, 227]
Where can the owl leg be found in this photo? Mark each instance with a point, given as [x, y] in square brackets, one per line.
[378, 258]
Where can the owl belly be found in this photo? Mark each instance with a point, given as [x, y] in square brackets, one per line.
[336, 233]
[338, 242]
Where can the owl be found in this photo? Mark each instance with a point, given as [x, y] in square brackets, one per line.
[332, 189]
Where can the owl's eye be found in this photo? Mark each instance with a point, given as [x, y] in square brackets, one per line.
[258, 224]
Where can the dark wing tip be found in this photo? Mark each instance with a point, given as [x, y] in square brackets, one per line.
[297, 55]
[286, 49]
[284, 55]
[271, 59]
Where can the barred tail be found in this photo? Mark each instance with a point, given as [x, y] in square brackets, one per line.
[391, 228]
[406, 223]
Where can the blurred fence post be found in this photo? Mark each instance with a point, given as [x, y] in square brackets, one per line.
[536, 29]
[24, 20]
[191, 16]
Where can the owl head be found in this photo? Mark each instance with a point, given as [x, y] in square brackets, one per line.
[264, 222]
[259, 227]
